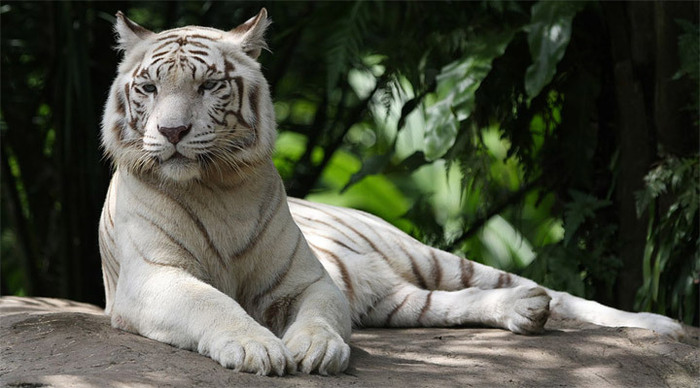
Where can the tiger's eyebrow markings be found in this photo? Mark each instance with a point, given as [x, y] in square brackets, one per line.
[198, 36]
[170, 62]
[212, 69]
[229, 67]
[198, 59]
[160, 54]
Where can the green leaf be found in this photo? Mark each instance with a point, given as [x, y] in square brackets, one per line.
[548, 36]
[442, 129]
[456, 85]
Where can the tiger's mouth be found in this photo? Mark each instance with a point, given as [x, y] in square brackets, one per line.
[177, 156]
[178, 160]
[179, 167]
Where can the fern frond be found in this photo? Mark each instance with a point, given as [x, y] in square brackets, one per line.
[343, 46]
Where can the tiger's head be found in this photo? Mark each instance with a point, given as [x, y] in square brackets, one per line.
[189, 103]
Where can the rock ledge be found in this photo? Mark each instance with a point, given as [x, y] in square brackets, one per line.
[58, 343]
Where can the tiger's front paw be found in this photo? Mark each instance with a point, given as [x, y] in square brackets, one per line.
[262, 354]
[317, 348]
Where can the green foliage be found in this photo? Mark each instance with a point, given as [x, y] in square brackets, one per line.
[548, 35]
[672, 253]
[582, 206]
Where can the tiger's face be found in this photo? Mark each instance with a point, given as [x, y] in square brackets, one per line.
[189, 103]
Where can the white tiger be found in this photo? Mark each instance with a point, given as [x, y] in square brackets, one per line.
[202, 249]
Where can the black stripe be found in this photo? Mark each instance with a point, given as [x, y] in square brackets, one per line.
[198, 223]
[466, 272]
[281, 275]
[262, 226]
[229, 67]
[414, 268]
[127, 97]
[160, 54]
[149, 261]
[395, 310]
[340, 221]
[318, 233]
[436, 271]
[254, 101]
[425, 308]
[198, 36]
[504, 280]
[170, 237]
[334, 227]
[108, 260]
[344, 273]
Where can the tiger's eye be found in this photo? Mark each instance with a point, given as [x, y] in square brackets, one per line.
[149, 88]
[209, 85]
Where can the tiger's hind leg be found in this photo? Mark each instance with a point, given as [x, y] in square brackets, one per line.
[521, 309]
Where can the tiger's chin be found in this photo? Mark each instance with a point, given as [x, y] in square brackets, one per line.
[180, 169]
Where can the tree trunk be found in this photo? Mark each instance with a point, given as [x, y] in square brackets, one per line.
[629, 35]
[650, 115]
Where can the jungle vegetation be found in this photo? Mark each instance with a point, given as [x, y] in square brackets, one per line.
[558, 140]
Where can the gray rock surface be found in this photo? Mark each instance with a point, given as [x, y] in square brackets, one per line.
[59, 343]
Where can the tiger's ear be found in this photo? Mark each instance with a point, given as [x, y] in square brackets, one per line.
[251, 34]
[128, 32]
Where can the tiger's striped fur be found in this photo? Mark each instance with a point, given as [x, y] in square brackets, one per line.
[202, 249]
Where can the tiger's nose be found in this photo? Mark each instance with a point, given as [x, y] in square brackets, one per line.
[175, 134]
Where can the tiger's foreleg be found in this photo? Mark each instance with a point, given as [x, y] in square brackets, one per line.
[522, 309]
[321, 328]
[168, 304]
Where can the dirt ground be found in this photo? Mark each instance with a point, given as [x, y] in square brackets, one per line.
[58, 343]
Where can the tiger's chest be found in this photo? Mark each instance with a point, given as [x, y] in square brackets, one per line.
[217, 234]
